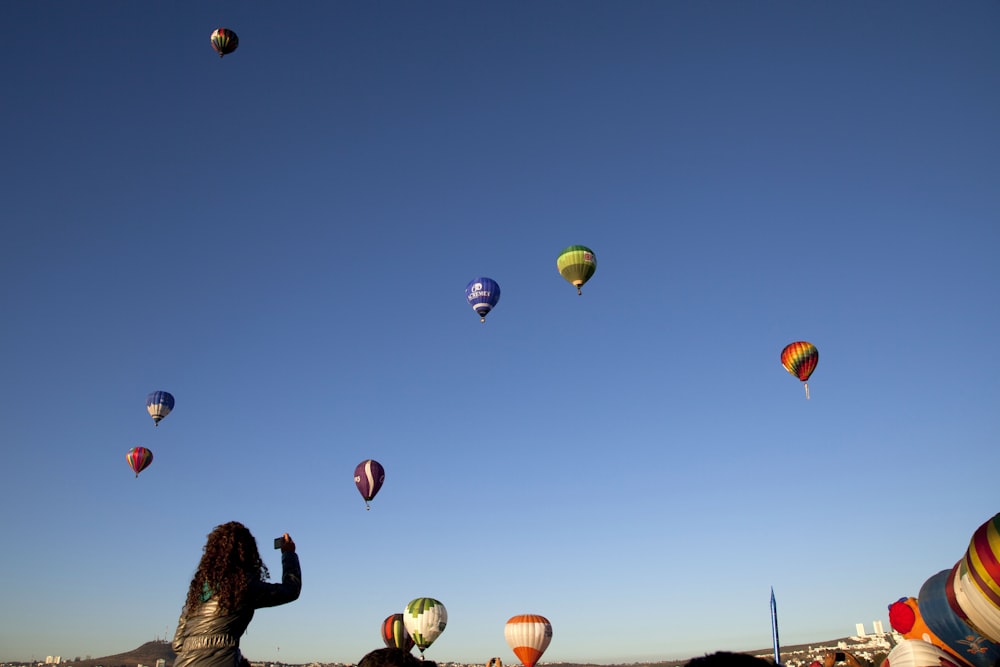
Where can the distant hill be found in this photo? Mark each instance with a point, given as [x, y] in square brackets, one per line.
[147, 654]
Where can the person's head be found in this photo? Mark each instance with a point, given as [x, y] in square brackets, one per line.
[727, 659]
[392, 657]
[229, 564]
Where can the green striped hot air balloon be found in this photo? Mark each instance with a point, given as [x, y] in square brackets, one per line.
[577, 264]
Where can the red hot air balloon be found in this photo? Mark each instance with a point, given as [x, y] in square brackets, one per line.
[139, 459]
[528, 635]
[368, 477]
[800, 359]
[394, 633]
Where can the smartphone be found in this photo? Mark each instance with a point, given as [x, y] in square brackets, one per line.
[838, 656]
[278, 541]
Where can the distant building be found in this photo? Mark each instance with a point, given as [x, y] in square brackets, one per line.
[876, 629]
[860, 628]
[161, 662]
[53, 659]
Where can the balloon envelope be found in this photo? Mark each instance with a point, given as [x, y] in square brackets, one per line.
[224, 41]
[960, 638]
[800, 359]
[577, 263]
[159, 404]
[528, 635]
[482, 294]
[918, 653]
[425, 620]
[368, 477]
[905, 618]
[139, 459]
[394, 633]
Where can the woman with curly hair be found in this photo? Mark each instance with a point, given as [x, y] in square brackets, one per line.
[229, 584]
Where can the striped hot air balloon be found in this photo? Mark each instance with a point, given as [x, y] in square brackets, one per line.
[528, 635]
[425, 620]
[936, 600]
[800, 359]
[918, 653]
[224, 41]
[368, 477]
[577, 263]
[139, 459]
[394, 633]
[482, 294]
[158, 405]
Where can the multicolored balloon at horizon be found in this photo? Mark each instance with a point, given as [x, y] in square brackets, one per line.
[224, 41]
[577, 263]
[528, 635]
[494, 662]
[800, 359]
[425, 619]
[139, 459]
[394, 633]
[482, 294]
[368, 477]
[158, 405]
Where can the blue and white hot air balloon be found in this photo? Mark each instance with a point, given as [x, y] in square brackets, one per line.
[158, 405]
[483, 295]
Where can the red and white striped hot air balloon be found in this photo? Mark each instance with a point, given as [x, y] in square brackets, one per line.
[528, 635]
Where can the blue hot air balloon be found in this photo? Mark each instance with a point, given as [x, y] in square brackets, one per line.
[158, 405]
[482, 294]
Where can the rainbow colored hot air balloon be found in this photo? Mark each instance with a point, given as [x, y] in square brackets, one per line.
[800, 359]
[528, 635]
[224, 41]
[577, 263]
[368, 477]
[482, 294]
[139, 459]
[425, 620]
[394, 633]
[158, 405]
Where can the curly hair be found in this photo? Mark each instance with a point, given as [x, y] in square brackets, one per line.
[229, 564]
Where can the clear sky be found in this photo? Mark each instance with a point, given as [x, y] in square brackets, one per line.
[282, 239]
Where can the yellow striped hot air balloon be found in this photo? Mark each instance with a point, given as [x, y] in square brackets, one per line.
[577, 264]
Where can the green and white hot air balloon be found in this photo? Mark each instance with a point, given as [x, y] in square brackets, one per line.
[425, 620]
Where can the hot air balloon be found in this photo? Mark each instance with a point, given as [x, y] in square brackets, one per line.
[368, 477]
[139, 459]
[158, 405]
[483, 295]
[577, 264]
[528, 635]
[976, 580]
[494, 662]
[425, 620]
[394, 633]
[224, 41]
[800, 359]
[944, 621]
[918, 653]
[904, 617]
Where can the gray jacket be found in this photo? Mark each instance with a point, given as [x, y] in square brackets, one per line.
[207, 638]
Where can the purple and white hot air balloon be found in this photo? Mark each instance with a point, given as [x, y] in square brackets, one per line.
[368, 477]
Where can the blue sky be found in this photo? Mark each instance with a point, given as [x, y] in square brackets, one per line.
[282, 238]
